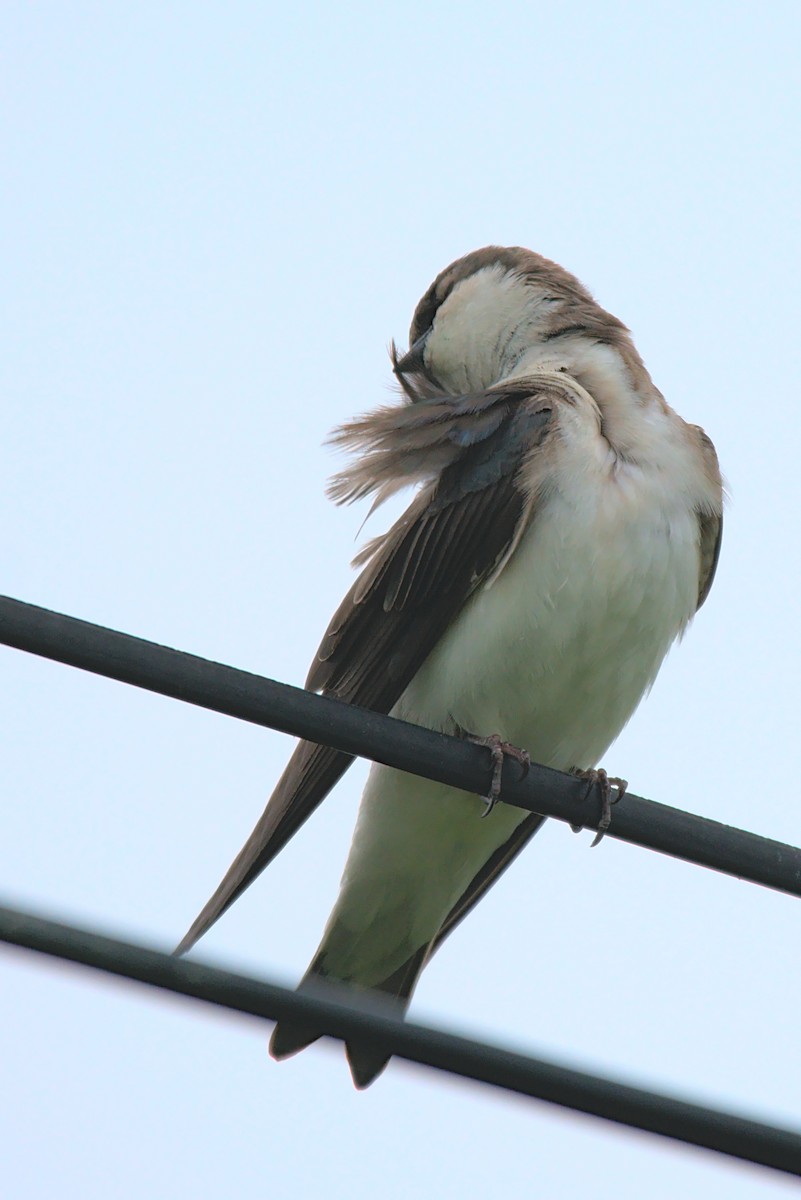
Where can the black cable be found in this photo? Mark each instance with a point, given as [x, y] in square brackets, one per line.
[461, 764]
[713, 1129]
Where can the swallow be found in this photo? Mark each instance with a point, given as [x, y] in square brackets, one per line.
[565, 529]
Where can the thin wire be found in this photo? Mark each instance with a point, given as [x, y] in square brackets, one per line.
[410, 748]
[713, 1129]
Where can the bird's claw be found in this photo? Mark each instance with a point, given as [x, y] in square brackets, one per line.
[499, 750]
[597, 775]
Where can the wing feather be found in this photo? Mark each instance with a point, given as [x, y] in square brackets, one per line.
[710, 538]
[415, 582]
[710, 519]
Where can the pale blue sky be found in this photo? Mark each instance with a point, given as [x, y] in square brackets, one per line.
[215, 218]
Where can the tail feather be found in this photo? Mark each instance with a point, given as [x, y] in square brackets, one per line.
[289, 1038]
[366, 1062]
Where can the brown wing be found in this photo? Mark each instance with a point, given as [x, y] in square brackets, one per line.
[416, 580]
[710, 537]
[710, 519]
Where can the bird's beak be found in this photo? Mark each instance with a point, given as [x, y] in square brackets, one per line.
[413, 361]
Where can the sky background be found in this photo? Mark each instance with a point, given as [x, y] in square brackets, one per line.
[215, 217]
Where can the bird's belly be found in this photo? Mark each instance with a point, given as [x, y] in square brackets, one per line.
[557, 652]
[554, 656]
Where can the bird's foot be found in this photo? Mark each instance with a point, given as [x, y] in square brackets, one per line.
[499, 750]
[597, 775]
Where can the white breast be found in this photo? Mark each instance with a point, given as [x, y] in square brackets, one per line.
[556, 654]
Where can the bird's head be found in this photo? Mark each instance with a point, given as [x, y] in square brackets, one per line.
[502, 312]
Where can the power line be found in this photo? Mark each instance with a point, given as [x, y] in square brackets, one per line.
[461, 764]
[714, 1129]
[398, 744]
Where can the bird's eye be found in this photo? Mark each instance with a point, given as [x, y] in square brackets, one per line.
[423, 318]
[564, 331]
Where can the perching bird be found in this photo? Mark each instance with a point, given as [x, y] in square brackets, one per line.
[566, 529]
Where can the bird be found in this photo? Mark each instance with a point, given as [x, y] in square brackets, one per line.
[565, 528]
